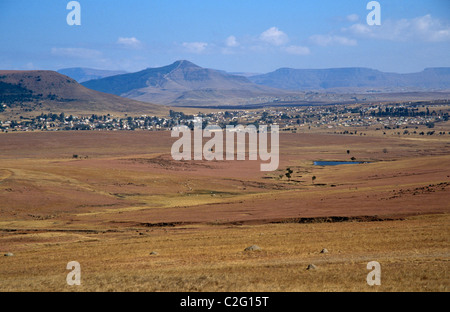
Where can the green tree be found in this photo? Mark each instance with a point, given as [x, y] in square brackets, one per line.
[288, 173]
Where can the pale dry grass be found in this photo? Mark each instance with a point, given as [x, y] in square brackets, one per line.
[55, 209]
[414, 255]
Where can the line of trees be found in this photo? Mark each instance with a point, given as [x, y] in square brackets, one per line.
[403, 112]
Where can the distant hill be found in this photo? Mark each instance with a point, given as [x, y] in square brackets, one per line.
[182, 83]
[81, 74]
[244, 74]
[316, 79]
[49, 90]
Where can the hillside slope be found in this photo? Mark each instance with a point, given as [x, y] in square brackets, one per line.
[49, 90]
[182, 83]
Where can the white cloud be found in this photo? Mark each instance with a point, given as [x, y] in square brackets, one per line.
[274, 36]
[76, 53]
[359, 29]
[195, 47]
[423, 28]
[326, 40]
[297, 50]
[29, 66]
[130, 42]
[231, 42]
[352, 18]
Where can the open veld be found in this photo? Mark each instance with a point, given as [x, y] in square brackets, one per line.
[109, 199]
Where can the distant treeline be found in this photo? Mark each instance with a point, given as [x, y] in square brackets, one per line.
[404, 112]
[12, 93]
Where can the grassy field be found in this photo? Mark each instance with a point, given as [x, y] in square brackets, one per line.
[124, 197]
[413, 254]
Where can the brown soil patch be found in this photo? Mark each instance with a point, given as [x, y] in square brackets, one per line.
[124, 197]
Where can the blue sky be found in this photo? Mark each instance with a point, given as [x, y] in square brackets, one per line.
[245, 36]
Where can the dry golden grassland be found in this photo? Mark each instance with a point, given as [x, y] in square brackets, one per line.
[124, 197]
[413, 255]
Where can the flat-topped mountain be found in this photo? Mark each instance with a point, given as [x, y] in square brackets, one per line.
[356, 77]
[182, 83]
[49, 90]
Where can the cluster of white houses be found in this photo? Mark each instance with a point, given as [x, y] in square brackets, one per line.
[379, 117]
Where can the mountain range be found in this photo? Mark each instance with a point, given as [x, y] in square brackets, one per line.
[186, 84]
[356, 77]
[183, 83]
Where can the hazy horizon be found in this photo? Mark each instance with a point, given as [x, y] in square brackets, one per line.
[239, 72]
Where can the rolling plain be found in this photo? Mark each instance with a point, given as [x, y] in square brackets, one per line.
[108, 199]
